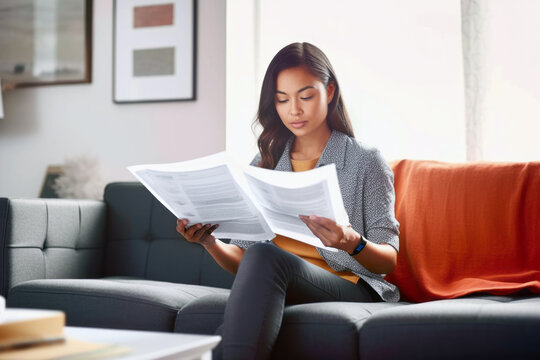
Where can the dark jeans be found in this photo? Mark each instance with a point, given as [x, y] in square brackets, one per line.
[267, 279]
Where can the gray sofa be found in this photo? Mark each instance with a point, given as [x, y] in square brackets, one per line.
[119, 263]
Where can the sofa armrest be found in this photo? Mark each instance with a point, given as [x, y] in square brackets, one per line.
[50, 239]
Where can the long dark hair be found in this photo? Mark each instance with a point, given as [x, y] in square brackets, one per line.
[275, 135]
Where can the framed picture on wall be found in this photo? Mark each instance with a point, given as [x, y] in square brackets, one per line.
[1, 101]
[45, 42]
[47, 188]
[154, 50]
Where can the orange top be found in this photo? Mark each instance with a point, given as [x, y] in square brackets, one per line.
[303, 250]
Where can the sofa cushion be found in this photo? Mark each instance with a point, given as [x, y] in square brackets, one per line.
[50, 238]
[110, 302]
[203, 315]
[466, 228]
[326, 330]
[465, 328]
[142, 241]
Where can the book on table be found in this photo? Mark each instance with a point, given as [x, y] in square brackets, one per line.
[28, 334]
[248, 203]
[25, 327]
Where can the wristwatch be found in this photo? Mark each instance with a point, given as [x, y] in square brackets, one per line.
[360, 246]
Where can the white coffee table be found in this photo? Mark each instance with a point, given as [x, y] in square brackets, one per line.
[149, 344]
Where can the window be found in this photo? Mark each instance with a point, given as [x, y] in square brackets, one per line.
[401, 68]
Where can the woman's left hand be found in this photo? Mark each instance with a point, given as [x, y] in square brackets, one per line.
[331, 233]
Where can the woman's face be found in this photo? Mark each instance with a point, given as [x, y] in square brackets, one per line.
[302, 100]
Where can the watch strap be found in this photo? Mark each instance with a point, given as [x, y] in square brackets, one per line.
[360, 246]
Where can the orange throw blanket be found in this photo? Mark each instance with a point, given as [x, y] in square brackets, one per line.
[466, 228]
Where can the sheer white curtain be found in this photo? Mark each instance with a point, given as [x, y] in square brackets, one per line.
[473, 32]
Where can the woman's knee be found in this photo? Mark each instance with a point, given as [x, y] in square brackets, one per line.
[265, 255]
[263, 250]
[265, 263]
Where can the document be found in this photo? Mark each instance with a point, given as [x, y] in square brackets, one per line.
[248, 203]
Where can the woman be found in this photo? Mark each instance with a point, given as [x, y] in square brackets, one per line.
[305, 125]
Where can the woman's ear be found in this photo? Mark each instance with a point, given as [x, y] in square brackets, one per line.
[330, 90]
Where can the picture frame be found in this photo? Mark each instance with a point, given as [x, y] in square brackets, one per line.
[154, 50]
[1, 101]
[46, 42]
[47, 187]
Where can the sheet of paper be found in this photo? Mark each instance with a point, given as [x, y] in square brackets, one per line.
[283, 196]
[205, 190]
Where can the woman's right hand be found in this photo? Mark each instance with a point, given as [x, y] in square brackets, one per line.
[198, 233]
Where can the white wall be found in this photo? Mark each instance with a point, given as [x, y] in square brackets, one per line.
[242, 92]
[46, 125]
